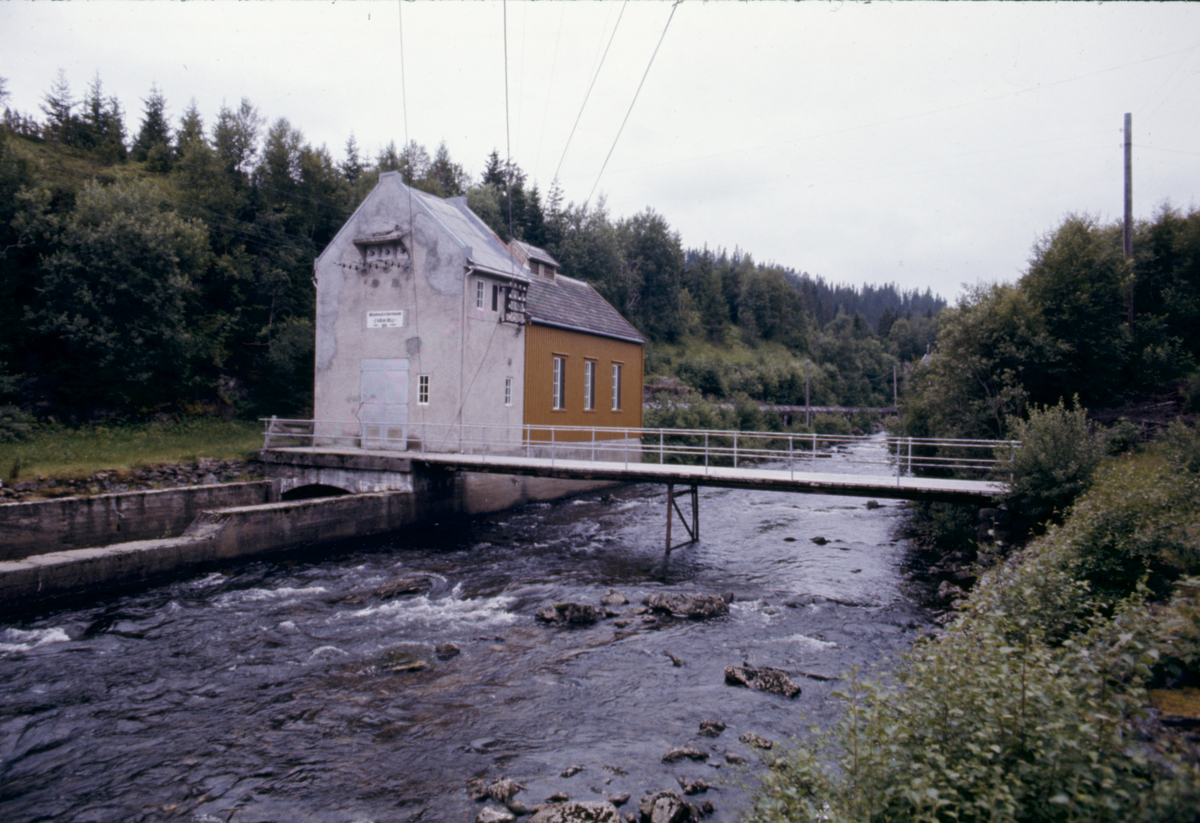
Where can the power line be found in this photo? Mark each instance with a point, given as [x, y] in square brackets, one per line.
[589, 91]
[674, 6]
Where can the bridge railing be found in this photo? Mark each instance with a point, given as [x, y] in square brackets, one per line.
[899, 456]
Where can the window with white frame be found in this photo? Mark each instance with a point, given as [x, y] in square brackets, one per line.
[508, 391]
[422, 390]
[479, 294]
[616, 387]
[560, 379]
[589, 385]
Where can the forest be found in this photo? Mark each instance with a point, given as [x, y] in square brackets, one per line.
[154, 266]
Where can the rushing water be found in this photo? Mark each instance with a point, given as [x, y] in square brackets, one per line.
[260, 692]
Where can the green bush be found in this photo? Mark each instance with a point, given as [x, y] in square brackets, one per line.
[1053, 466]
[975, 728]
[14, 424]
[830, 424]
[1031, 706]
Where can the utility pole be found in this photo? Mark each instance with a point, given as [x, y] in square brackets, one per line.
[806, 364]
[1128, 234]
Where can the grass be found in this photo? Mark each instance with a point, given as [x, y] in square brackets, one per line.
[66, 453]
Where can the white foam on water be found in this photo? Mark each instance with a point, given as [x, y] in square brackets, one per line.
[19, 640]
[444, 613]
[811, 643]
[254, 595]
[327, 652]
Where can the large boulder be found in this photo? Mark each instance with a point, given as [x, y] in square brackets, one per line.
[681, 752]
[666, 807]
[404, 585]
[491, 814]
[763, 678]
[578, 811]
[569, 614]
[697, 606]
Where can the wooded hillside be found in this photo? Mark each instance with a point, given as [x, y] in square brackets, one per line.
[167, 265]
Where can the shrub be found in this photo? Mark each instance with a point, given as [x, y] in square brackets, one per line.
[1031, 706]
[830, 424]
[14, 424]
[975, 727]
[1052, 467]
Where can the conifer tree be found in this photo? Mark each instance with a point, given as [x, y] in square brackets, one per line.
[153, 142]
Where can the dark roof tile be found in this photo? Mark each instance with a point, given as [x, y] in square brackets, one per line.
[573, 304]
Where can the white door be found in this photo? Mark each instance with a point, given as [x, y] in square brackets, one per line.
[383, 416]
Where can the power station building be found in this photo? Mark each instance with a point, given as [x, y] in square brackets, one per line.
[432, 334]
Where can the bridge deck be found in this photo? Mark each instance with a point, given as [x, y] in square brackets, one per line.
[774, 479]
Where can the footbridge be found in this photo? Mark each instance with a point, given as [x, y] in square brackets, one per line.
[920, 469]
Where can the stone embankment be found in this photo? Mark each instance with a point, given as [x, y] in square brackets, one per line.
[145, 478]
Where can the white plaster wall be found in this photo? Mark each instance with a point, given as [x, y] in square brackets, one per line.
[437, 295]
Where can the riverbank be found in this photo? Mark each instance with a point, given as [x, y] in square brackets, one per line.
[76, 457]
[203, 471]
[1066, 688]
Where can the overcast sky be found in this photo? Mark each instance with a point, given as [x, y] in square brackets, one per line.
[926, 144]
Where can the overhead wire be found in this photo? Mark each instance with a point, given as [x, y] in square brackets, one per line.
[589, 91]
[674, 6]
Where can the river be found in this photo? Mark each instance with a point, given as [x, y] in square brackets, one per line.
[261, 691]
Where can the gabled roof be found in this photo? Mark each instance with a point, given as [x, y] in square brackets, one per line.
[485, 251]
[373, 221]
[571, 304]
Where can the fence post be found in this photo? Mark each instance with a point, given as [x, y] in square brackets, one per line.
[706, 452]
[735, 434]
[661, 459]
[910, 457]
[553, 446]
[791, 460]
[593, 444]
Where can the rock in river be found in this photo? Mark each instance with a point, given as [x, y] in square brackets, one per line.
[578, 811]
[763, 678]
[491, 814]
[711, 728]
[680, 752]
[666, 807]
[404, 585]
[569, 614]
[698, 606]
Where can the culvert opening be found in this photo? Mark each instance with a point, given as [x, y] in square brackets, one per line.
[312, 491]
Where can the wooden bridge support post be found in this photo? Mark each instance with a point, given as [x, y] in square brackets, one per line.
[693, 530]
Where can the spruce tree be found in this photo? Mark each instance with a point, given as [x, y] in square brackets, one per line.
[154, 137]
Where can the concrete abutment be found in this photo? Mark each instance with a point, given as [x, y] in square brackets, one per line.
[58, 551]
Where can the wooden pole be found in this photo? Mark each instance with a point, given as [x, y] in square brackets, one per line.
[807, 363]
[1128, 233]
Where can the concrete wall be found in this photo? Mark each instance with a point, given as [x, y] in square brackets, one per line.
[44, 526]
[215, 538]
[55, 575]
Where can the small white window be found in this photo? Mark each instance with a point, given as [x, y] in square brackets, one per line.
[560, 369]
[508, 391]
[479, 294]
[616, 387]
[422, 390]
[589, 385]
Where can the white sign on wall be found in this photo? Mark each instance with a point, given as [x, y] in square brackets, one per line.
[385, 319]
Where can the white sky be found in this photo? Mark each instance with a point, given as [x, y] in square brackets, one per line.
[926, 144]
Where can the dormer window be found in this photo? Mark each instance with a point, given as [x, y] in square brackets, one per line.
[383, 250]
